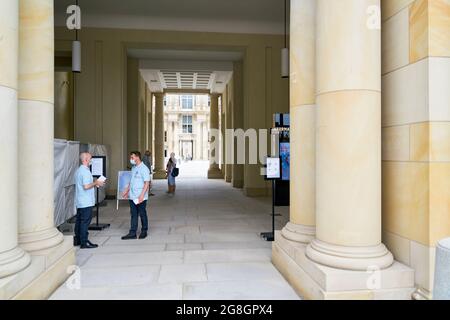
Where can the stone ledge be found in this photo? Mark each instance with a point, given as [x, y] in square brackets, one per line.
[215, 174]
[255, 192]
[47, 271]
[159, 175]
[314, 281]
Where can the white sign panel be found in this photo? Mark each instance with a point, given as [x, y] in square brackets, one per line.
[273, 168]
[97, 166]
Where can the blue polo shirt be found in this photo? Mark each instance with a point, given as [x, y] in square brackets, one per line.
[139, 175]
[84, 198]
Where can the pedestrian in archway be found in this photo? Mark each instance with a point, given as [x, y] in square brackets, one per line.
[148, 161]
[172, 172]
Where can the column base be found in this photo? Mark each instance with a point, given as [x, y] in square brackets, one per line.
[13, 261]
[317, 282]
[159, 175]
[40, 240]
[256, 192]
[350, 258]
[299, 233]
[215, 173]
[422, 294]
[238, 184]
[47, 271]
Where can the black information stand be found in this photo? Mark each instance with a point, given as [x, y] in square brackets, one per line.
[273, 172]
[270, 236]
[99, 166]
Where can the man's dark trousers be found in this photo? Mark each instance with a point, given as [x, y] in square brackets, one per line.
[139, 210]
[83, 220]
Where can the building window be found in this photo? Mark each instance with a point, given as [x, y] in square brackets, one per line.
[165, 101]
[187, 102]
[187, 124]
[165, 136]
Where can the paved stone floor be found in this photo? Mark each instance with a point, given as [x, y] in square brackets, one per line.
[204, 244]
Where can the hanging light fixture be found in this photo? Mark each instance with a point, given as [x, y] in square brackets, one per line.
[76, 46]
[285, 50]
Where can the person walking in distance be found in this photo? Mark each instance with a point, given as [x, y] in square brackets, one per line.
[170, 170]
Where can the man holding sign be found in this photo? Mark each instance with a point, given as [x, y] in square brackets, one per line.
[137, 193]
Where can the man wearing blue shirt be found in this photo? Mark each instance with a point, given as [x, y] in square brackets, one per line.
[137, 193]
[85, 201]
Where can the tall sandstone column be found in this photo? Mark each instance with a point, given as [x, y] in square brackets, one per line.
[348, 141]
[160, 172]
[12, 257]
[214, 156]
[228, 144]
[36, 94]
[237, 121]
[301, 227]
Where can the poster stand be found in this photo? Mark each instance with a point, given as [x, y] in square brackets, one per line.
[273, 172]
[98, 169]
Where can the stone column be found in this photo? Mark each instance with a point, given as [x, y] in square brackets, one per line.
[214, 170]
[348, 141]
[228, 145]
[237, 118]
[160, 170]
[222, 142]
[36, 94]
[12, 257]
[149, 102]
[301, 227]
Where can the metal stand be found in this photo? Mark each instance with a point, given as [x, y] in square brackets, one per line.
[270, 236]
[98, 226]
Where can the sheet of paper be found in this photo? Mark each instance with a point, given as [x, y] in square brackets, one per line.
[102, 178]
[136, 201]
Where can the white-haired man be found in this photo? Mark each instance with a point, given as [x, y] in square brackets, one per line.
[85, 201]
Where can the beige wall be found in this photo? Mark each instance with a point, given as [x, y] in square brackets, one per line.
[416, 131]
[138, 108]
[101, 101]
[64, 122]
[132, 94]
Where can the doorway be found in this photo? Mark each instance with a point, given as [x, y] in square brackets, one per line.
[186, 149]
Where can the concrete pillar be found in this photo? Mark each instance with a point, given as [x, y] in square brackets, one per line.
[442, 271]
[160, 170]
[36, 97]
[237, 179]
[222, 142]
[348, 141]
[214, 170]
[301, 227]
[12, 257]
[228, 151]
[149, 102]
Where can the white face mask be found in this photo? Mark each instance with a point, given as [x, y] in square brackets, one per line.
[132, 162]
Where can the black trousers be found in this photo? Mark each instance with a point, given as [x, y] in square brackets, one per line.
[137, 211]
[83, 220]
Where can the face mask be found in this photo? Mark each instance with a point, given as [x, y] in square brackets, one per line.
[133, 162]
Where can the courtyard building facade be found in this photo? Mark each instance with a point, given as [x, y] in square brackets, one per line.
[186, 123]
